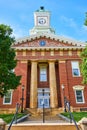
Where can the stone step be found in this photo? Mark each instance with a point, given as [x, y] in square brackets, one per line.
[49, 118]
[50, 123]
[43, 126]
[47, 111]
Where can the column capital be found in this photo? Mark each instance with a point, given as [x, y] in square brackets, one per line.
[51, 60]
[34, 60]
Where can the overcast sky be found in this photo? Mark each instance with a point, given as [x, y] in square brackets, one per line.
[67, 16]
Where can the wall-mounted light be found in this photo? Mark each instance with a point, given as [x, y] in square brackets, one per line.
[62, 86]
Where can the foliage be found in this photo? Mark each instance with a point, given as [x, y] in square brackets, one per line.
[77, 115]
[84, 59]
[8, 79]
[85, 23]
[84, 65]
[8, 117]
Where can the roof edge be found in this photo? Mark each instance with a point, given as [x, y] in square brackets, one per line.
[51, 36]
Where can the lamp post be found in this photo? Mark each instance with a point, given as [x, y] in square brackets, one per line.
[22, 99]
[43, 105]
[63, 87]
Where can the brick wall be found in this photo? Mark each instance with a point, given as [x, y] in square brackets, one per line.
[63, 73]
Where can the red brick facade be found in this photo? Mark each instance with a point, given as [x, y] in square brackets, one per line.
[62, 56]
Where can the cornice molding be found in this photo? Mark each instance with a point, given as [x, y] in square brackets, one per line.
[50, 48]
[51, 36]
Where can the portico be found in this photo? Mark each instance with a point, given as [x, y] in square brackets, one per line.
[34, 93]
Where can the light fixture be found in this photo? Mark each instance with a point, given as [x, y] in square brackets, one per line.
[62, 86]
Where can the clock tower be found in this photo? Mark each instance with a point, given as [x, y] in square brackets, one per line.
[41, 22]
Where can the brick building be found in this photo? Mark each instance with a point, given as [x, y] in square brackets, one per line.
[49, 63]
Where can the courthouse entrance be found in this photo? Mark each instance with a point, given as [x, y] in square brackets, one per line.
[43, 98]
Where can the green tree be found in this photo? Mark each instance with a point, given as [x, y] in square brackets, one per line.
[85, 23]
[84, 59]
[84, 65]
[8, 79]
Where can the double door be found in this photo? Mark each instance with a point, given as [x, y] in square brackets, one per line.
[43, 100]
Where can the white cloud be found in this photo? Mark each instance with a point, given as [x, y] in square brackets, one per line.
[77, 29]
[18, 32]
[69, 22]
[83, 31]
[84, 28]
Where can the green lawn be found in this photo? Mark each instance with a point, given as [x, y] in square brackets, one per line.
[77, 115]
[8, 117]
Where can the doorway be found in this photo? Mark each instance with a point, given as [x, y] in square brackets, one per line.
[43, 98]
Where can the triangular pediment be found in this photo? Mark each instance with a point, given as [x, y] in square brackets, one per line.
[43, 42]
[46, 40]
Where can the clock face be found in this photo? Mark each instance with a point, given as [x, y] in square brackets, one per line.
[42, 43]
[42, 21]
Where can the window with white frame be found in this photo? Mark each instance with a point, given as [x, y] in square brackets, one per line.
[79, 96]
[43, 73]
[8, 98]
[75, 68]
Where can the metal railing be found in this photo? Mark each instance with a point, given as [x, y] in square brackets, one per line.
[15, 116]
[67, 109]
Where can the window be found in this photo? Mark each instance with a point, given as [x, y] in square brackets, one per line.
[79, 89]
[75, 68]
[79, 96]
[8, 98]
[43, 73]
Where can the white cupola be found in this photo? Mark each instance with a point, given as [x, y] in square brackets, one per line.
[41, 22]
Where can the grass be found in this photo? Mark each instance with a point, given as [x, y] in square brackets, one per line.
[8, 117]
[77, 115]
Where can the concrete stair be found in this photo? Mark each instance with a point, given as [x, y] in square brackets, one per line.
[36, 123]
[51, 122]
[47, 118]
[47, 111]
[43, 126]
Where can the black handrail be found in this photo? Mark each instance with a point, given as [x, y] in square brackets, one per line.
[15, 116]
[67, 106]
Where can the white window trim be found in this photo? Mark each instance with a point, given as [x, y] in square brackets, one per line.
[43, 66]
[81, 88]
[10, 99]
[82, 97]
[78, 69]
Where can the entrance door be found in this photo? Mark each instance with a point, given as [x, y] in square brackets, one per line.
[43, 99]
